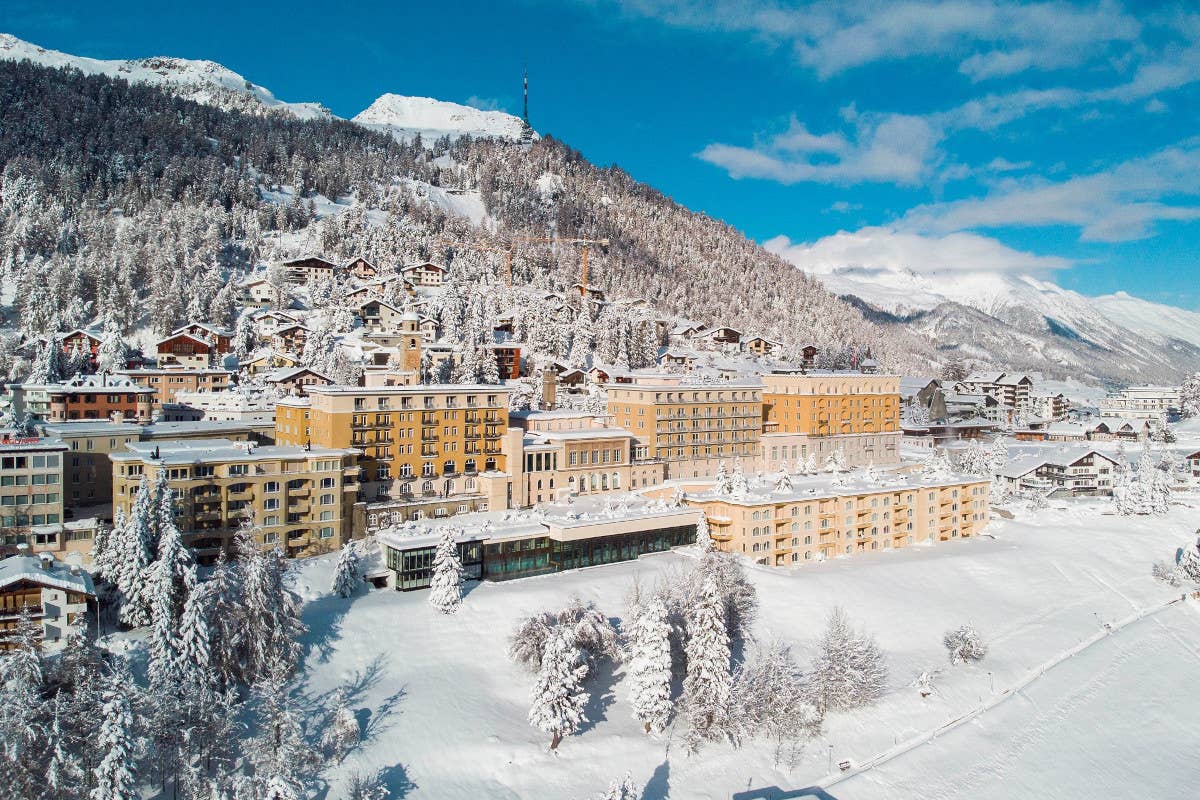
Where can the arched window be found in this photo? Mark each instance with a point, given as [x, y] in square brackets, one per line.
[427, 486]
[616, 480]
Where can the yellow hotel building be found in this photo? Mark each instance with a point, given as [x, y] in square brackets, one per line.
[691, 428]
[300, 499]
[818, 413]
[821, 518]
[433, 450]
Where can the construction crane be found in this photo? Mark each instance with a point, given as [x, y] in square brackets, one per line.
[508, 252]
[584, 243]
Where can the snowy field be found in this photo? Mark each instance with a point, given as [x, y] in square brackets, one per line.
[445, 710]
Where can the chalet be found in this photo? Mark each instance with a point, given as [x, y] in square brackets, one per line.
[186, 350]
[379, 315]
[56, 595]
[1193, 464]
[302, 271]
[222, 338]
[361, 295]
[761, 346]
[290, 339]
[1132, 430]
[572, 378]
[362, 269]
[295, 380]
[257, 293]
[685, 331]
[508, 359]
[268, 360]
[89, 340]
[266, 323]
[425, 273]
[808, 357]
[676, 358]
[428, 327]
[592, 292]
[925, 392]
[1062, 472]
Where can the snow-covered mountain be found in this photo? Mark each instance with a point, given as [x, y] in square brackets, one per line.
[213, 84]
[405, 117]
[1003, 316]
[201, 81]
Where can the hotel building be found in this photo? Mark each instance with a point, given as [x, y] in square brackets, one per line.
[818, 413]
[433, 450]
[299, 498]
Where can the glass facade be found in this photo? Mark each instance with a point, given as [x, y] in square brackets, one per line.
[414, 568]
[541, 555]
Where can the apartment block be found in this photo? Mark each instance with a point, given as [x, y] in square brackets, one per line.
[300, 498]
[87, 470]
[690, 428]
[31, 481]
[809, 413]
[826, 517]
[90, 397]
[429, 450]
[1149, 403]
[169, 382]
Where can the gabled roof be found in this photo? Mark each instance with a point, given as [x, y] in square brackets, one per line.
[180, 335]
[204, 326]
[287, 373]
[295, 327]
[423, 264]
[322, 262]
[381, 302]
[30, 568]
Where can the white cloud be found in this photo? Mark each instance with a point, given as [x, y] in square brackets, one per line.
[880, 248]
[893, 148]
[989, 38]
[1119, 204]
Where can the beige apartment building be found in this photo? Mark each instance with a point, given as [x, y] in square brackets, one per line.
[690, 428]
[31, 480]
[169, 382]
[427, 450]
[819, 413]
[87, 471]
[300, 499]
[825, 517]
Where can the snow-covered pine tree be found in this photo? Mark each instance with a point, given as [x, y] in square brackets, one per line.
[245, 339]
[704, 538]
[360, 786]
[103, 544]
[115, 777]
[270, 611]
[623, 789]
[721, 484]
[347, 578]
[342, 731]
[849, 670]
[770, 700]
[1189, 395]
[558, 701]
[836, 461]
[738, 485]
[448, 576]
[193, 649]
[1189, 561]
[133, 553]
[707, 683]
[650, 665]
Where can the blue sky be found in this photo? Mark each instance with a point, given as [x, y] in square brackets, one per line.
[1054, 137]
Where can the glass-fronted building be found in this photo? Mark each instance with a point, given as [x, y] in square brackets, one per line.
[525, 547]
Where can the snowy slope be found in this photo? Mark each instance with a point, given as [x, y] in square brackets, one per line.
[405, 117]
[447, 707]
[1142, 316]
[201, 81]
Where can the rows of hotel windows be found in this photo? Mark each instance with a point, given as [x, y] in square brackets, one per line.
[426, 401]
[15, 506]
[548, 461]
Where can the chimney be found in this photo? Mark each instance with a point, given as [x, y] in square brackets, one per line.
[47, 561]
[75, 569]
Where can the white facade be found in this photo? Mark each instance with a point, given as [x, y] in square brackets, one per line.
[1150, 403]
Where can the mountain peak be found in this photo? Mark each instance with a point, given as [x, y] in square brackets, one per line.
[406, 117]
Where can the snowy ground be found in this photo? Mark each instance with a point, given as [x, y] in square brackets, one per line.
[445, 709]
